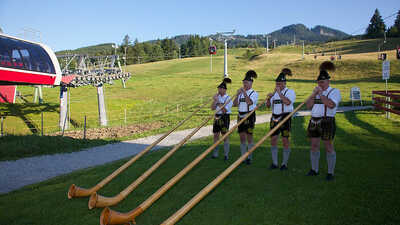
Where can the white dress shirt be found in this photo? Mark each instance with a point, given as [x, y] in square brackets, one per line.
[242, 107]
[277, 108]
[318, 110]
[221, 101]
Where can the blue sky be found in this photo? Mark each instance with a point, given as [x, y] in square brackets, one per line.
[72, 24]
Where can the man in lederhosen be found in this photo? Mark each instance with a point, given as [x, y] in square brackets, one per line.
[246, 100]
[323, 102]
[222, 117]
[281, 100]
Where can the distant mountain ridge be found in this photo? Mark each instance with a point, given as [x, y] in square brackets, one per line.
[285, 35]
[293, 34]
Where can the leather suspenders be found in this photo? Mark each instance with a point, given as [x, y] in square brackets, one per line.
[279, 101]
[319, 101]
[325, 107]
[244, 100]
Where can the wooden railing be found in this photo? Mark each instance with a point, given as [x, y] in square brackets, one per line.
[391, 99]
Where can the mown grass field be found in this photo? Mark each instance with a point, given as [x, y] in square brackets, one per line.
[365, 190]
[168, 91]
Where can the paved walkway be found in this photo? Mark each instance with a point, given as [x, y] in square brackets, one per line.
[22, 172]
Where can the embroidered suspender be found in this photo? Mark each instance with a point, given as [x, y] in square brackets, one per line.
[319, 101]
[325, 108]
[244, 100]
[279, 101]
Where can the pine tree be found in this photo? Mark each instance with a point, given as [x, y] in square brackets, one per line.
[138, 52]
[395, 29]
[157, 53]
[126, 41]
[376, 27]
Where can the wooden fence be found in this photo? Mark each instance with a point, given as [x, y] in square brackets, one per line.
[389, 103]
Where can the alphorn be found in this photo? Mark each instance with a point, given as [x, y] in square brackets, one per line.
[98, 201]
[75, 191]
[197, 198]
[109, 216]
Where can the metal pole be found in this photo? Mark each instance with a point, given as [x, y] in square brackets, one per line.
[69, 107]
[36, 95]
[125, 58]
[226, 59]
[63, 106]
[211, 63]
[387, 99]
[40, 94]
[102, 106]
[303, 51]
[267, 45]
[84, 129]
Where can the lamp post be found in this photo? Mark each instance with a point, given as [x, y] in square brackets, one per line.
[210, 55]
[226, 51]
[267, 43]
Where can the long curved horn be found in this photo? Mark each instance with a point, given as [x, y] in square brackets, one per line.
[75, 191]
[98, 201]
[109, 216]
[190, 204]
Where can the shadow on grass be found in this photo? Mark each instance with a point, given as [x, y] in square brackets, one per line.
[354, 119]
[22, 110]
[20, 146]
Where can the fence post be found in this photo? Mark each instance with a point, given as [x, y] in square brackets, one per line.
[84, 129]
[41, 123]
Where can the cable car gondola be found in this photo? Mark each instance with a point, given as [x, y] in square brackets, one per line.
[25, 62]
[212, 50]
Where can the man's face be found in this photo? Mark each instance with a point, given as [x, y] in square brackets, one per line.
[247, 85]
[221, 91]
[281, 85]
[323, 84]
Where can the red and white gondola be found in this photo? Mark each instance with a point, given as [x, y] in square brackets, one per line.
[25, 62]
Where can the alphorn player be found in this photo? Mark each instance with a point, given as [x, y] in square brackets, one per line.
[281, 100]
[323, 102]
[222, 117]
[246, 100]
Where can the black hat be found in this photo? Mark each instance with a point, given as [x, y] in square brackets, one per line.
[225, 81]
[323, 70]
[282, 76]
[250, 75]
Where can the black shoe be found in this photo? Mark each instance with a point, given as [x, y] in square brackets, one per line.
[248, 161]
[225, 158]
[283, 167]
[329, 177]
[273, 166]
[312, 173]
[214, 157]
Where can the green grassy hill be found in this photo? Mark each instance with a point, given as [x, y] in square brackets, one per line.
[162, 93]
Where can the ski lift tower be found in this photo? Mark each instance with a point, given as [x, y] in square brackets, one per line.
[225, 36]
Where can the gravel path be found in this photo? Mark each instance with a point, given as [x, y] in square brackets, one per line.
[22, 172]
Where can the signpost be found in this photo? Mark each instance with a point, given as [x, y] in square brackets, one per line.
[386, 76]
